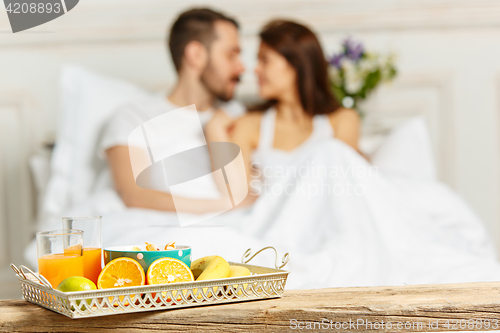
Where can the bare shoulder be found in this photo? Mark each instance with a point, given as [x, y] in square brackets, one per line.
[247, 127]
[344, 114]
[249, 122]
[344, 117]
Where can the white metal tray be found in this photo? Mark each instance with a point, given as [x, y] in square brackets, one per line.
[263, 283]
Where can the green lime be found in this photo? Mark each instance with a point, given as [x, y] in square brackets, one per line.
[76, 283]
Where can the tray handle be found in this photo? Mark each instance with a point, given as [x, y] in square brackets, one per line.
[20, 271]
[248, 253]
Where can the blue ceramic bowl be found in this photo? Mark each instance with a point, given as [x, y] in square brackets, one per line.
[146, 258]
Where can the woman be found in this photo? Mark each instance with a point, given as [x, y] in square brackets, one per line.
[301, 109]
[389, 233]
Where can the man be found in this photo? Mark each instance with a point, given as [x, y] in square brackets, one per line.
[205, 51]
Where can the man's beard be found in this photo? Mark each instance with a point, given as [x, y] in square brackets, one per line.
[210, 80]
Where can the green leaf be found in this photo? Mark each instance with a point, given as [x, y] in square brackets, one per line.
[338, 92]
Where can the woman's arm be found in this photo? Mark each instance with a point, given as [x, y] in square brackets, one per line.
[135, 196]
[346, 125]
[244, 132]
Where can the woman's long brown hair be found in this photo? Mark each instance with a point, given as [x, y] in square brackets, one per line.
[300, 47]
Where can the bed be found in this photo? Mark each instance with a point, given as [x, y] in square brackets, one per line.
[32, 70]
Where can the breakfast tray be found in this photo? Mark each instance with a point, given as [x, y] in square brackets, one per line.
[263, 283]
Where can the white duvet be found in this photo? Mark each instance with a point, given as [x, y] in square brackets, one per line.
[394, 230]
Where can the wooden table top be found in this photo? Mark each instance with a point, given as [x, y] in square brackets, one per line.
[437, 307]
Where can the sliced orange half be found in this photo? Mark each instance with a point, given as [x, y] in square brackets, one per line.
[121, 272]
[169, 270]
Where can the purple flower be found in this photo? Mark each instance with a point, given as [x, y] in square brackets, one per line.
[352, 49]
[335, 60]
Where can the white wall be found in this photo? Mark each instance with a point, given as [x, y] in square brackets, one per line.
[449, 63]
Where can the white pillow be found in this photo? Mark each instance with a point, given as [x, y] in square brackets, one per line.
[407, 151]
[88, 99]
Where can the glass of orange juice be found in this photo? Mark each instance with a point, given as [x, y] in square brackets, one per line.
[92, 252]
[60, 254]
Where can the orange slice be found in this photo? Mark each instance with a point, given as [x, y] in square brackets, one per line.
[121, 272]
[169, 270]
